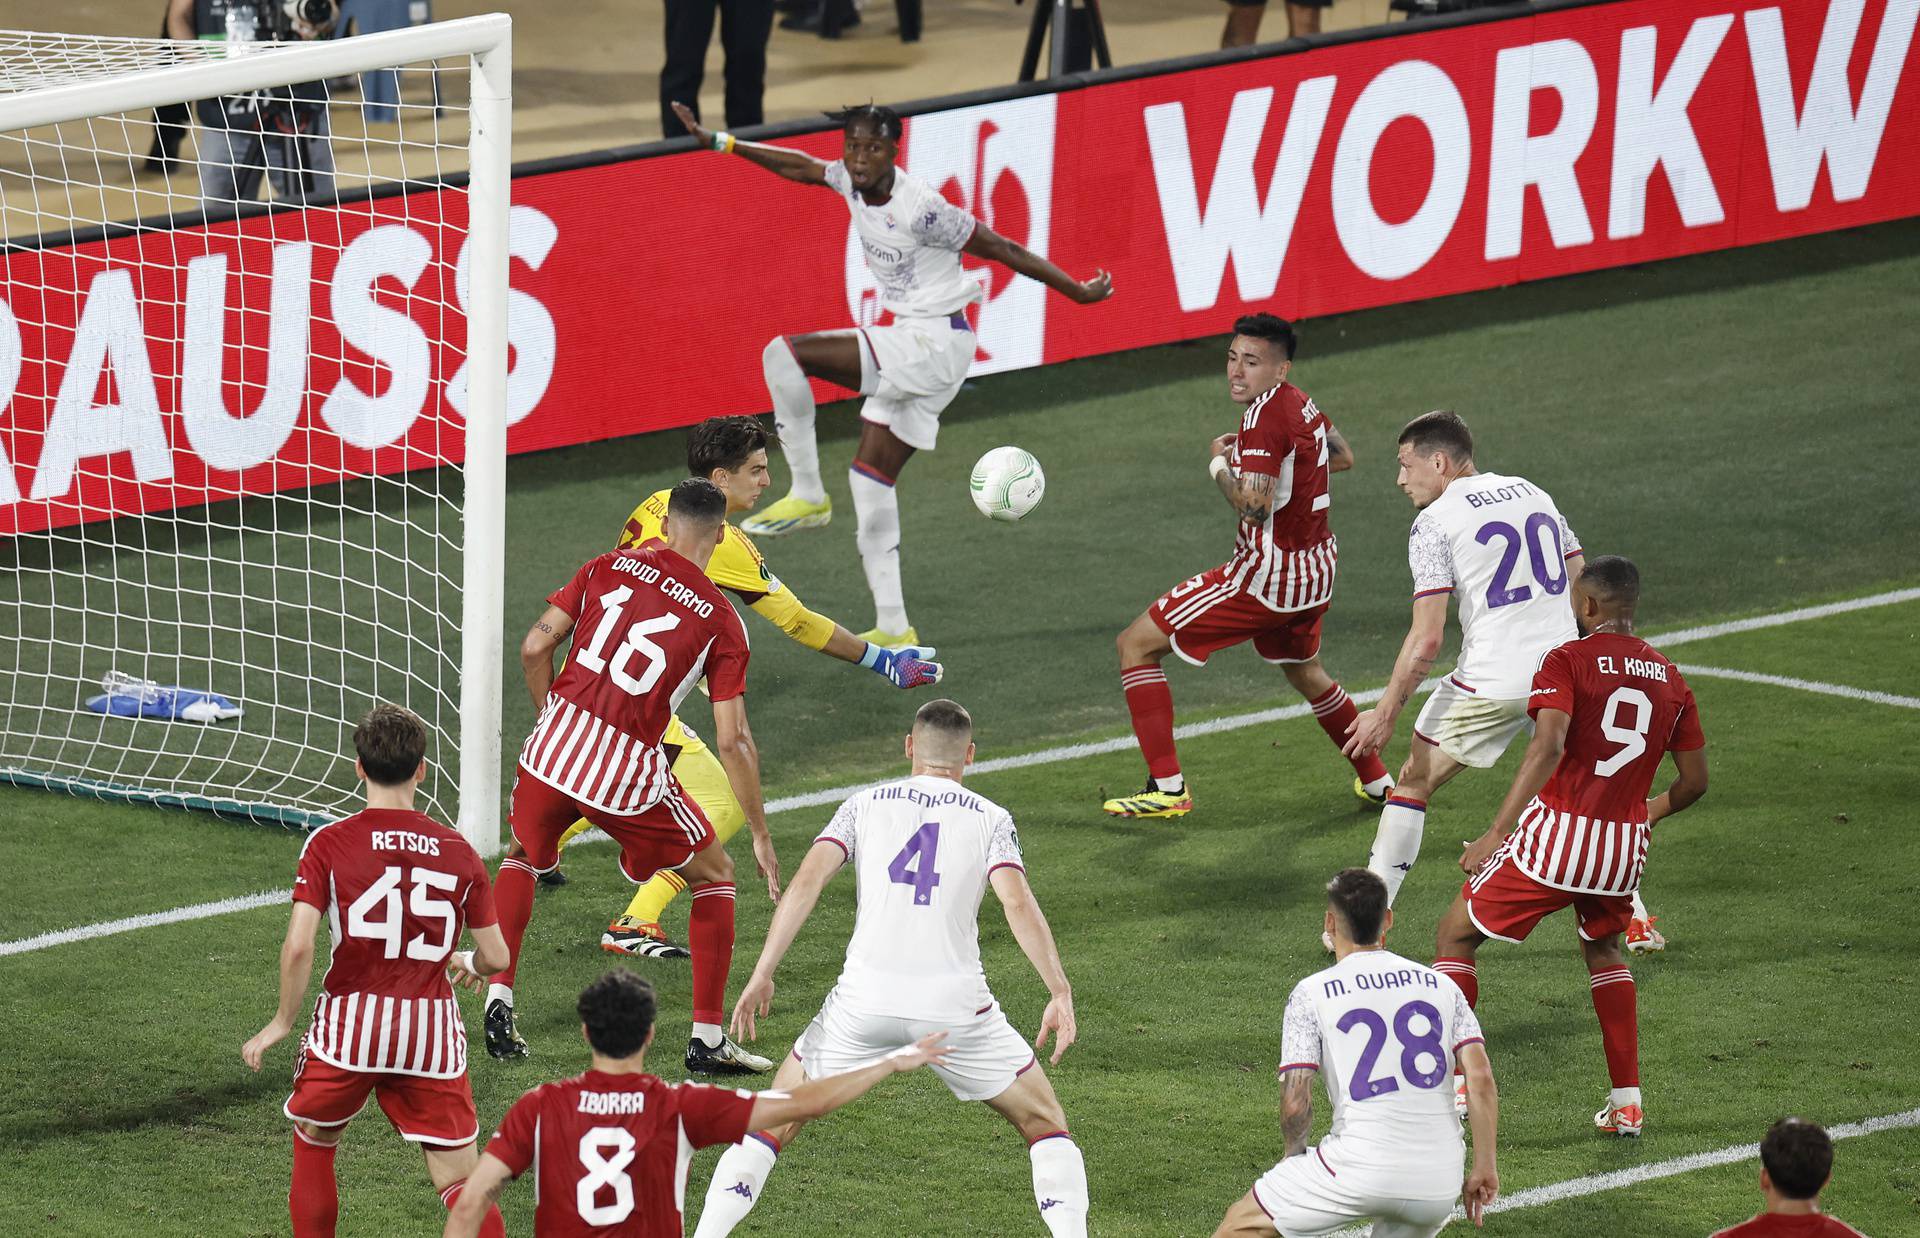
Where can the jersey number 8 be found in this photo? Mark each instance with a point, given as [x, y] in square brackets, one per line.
[605, 1153]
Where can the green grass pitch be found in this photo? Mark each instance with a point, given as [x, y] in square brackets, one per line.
[1741, 424]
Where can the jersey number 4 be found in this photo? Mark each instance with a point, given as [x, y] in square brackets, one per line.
[375, 915]
[914, 865]
[637, 644]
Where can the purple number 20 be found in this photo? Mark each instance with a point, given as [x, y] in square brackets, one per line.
[1545, 558]
[1413, 1046]
[919, 852]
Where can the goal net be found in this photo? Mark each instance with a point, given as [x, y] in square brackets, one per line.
[252, 423]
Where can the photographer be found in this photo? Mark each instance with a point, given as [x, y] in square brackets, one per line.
[283, 131]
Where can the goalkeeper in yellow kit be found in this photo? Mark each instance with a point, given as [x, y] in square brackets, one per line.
[731, 452]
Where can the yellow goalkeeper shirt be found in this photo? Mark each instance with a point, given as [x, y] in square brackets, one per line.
[737, 567]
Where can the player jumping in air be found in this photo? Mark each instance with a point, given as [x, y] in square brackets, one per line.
[909, 369]
[609, 1148]
[1574, 827]
[1384, 1034]
[1274, 591]
[924, 849]
[731, 452]
[397, 888]
[648, 623]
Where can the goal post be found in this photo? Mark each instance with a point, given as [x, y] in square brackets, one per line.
[254, 451]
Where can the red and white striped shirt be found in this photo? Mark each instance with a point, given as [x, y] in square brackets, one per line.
[1286, 562]
[398, 888]
[1580, 854]
[1628, 707]
[648, 624]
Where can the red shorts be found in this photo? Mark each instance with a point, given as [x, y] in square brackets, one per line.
[1205, 614]
[666, 835]
[1505, 903]
[434, 1111]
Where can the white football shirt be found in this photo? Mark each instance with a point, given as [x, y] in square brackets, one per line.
[1383, 1031]
[912, 242]
[922, 849]
[1500, 546]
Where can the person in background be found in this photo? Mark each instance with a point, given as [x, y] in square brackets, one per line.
[1796, 1162]
[1243, 20]
[745, 26]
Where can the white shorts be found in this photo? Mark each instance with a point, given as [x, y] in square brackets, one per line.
[1304, 1198]
[919, 364]
[1473, 730]
[988, 1055]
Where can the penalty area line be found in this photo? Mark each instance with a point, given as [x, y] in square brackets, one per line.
[1074, 752]
[1619, 1179]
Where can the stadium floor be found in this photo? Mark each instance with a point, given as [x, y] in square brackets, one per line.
[1739, 423]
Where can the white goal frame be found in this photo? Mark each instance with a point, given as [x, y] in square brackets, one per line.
[488, 43]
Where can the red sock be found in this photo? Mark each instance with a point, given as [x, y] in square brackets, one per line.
[314, 1200]
[1334, 710]
[1462, 973]
[1150, 702]
[710, 935]
[1617, 1003]
[513, 899]
[491, 1226]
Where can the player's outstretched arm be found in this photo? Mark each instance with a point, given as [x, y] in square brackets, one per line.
[733, 743]
[792, 164]
[484, 1185]
[536, 651]
[1483, 1117]
[1686, 789]
[988, 244]
[910, 667]
[1370, 732]
[1296, 1109]
[1543, 755]
[756, 999]
[820, 1097]
[296, 969]
[1035, 936]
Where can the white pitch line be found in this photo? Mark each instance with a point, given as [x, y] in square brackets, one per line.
[1074, 752]
[1614, 1180]
[199, 911]
[1804, 685]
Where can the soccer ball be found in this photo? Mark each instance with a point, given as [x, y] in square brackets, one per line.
[1007, 483]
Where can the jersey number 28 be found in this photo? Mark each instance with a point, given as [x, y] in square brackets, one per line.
[1415, 1047]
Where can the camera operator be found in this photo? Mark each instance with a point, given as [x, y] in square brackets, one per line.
[281, 131]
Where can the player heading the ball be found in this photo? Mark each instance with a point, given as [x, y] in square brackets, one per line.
[397, 887]
[1574, 828]
[649, 624]
[1273, 472]
[924, 849]
[1385, 1035]
[609, 1148]
[909, 369]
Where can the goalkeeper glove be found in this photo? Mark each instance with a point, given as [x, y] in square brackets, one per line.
[910, 666]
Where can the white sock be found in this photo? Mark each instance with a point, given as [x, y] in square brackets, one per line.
[1060, 1185]
[1622, 1097]
[1639, 908]
[1173, 785]
[877, 513]
[1396, 844]
[793, 417]
[707, 1034]
[737, 1182]
[500, 993]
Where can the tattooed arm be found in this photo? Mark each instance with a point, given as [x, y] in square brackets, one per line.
[536, 651]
